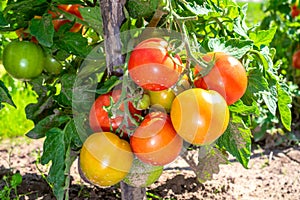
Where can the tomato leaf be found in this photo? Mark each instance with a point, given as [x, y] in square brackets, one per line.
[240, 108]
[209, 159]
[55, 150]
[136, 8]
[92, 17]
[74, 43]
[237, 140]
[44, 125]
[43, 30]
[108, 85]
[263, 37]
[66, 93]
[234, 46]
[284, 105]
[5, 96]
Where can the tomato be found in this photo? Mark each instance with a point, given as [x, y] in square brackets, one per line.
[105, 159]
[162, 99]
[155, 141]
[52, 66]
[23, 59]
[199, 116]
[228, 77]
[58, 19]
[144, 102]
[99, 118]
[296, 59]
[152, 67]
[295, 11]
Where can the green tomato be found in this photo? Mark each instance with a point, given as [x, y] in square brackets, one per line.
[52, 66]
[162, 99]
[23, 59]
[142, 174]
[144, 102]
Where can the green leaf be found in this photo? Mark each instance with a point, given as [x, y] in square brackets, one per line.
[237, 140]
[74, 43]
[5, 96]
[263, 37]
[138, 8]
[43, 30]
[256, 82]
[92, 17]
[55, 150]
[16, 180]
[234, 47]
[209, 159]
[108, 85]
[73, 135]
[240, 108]
[284, 104]
[43, 126]
[66, 93]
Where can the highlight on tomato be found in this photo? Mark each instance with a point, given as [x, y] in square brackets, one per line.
[199, 116]
[152, 67]
[155, 141]
[105, 159]
[228, 77]
[101, 118]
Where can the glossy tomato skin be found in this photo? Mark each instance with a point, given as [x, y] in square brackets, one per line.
[162, 99]
[23, 59]
[296, 60]
[199, 116]
[155, 141]
[228, 77]
[105, 159]
[152, 67]
[99, 118]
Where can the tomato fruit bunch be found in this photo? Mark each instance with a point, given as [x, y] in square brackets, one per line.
[172, 109]
[26, 60]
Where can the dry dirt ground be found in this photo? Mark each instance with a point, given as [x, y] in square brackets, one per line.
[274, 174]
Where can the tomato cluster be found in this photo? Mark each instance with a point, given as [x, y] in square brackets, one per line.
[26, 60]
[172, 109]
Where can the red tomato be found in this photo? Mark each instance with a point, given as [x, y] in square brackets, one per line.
[155, 141]
[295, 11]
[99, 117]
[152, 67]
[58, 19]
[199, 116]
[228, 77]
[296, 59]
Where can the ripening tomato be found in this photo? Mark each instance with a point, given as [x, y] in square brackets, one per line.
[296, 59]
[152, 67]
[228, 77]
[105, 159]
[23, 59]
[295, 11]
[58, 19]
[155, 141]
[162, 99]
[199, 116]
[99, 116]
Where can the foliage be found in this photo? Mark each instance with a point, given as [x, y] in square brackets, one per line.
[286, 41]
[63, 101]
[11, 184]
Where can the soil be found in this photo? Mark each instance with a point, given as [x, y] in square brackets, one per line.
[273, 173]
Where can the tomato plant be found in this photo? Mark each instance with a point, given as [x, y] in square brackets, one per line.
[105, 159]
[152, 67]
[199, 116]
[155, 141]
[227, 76]
[23, 60]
